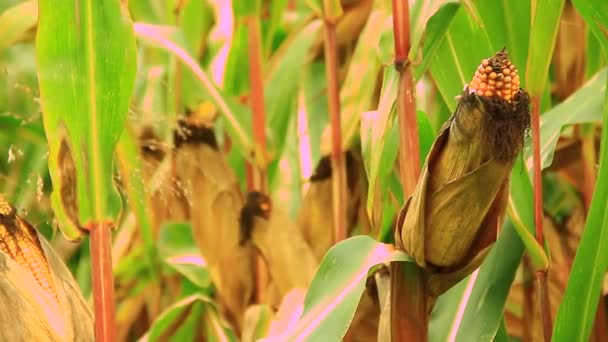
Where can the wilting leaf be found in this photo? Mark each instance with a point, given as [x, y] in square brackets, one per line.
[86, 78]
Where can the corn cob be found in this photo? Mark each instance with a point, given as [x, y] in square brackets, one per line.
[19, 240]
[496, 76]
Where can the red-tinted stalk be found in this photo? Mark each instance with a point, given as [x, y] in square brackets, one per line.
[337, 157]
[409, 319]
[256, 175]
[103, 282]
[541, 275]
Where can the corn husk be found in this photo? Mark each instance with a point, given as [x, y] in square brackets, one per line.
[290, 260]
[315, 215]
[451, 220]
[40, 299]
[214, 205]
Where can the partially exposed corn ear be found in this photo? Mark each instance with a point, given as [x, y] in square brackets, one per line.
[20, 241]
[39, 298]
[451, 220]
[496, 76]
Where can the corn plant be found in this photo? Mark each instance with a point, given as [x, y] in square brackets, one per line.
[319, 170]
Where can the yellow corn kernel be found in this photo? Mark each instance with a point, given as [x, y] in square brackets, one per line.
[19, 240]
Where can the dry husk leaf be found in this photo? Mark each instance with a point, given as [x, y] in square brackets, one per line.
[451, 220]
[290, 260]
[215, 203]
[29, 312]
[315, 215]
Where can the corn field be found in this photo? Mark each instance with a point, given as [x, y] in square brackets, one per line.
[303, 170]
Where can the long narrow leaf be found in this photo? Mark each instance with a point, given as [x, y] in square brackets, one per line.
[545, 16]
[577, 311]
[86, 69]
[334, 294]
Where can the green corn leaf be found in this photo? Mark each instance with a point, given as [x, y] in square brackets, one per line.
[334, 294]
[507, 23]
[465, 44]
[545, 16]
[581, 107]
[576, 314]
[169, 322]
[176, 247]
[435, 31]
[86, 79]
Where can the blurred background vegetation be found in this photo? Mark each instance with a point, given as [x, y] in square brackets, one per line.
[179, 276]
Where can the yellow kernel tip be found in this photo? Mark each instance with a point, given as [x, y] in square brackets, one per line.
[485, 62]
[488, 69]
[488, 93]
[506, 71]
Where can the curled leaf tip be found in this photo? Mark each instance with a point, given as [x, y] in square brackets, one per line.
[496, 77]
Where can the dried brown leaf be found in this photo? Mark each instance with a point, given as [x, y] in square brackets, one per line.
[214, 204]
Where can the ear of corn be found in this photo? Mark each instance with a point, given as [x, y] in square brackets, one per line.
[20, 241]
[451, 220]
[39, 298]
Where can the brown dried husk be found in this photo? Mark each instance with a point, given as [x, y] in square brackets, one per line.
[451, 220]
[290, 260]
[315, 215]
[28, 315]
[215, 203]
